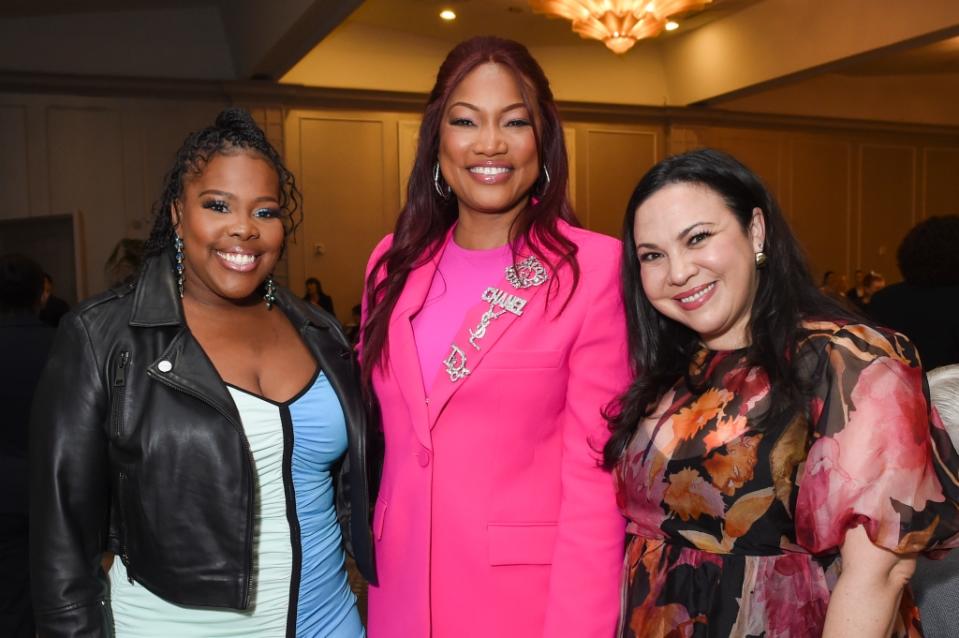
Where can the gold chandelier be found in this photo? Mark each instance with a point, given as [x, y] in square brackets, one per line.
[618, 23]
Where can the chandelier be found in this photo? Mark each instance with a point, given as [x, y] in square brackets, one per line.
[618, 23]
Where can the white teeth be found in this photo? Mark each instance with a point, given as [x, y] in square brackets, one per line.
[697, 295]
[237, 258]
[489, 170]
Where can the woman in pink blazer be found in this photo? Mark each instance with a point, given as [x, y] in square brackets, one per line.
[493, 339]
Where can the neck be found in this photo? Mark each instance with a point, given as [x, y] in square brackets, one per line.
[482, 231]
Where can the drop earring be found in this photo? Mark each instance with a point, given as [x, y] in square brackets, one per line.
[178, 268]
[270, 295]
[760, 260]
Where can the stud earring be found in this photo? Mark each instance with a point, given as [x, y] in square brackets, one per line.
[436, 182]
[178, 269]
[760, 259]
[270, 295]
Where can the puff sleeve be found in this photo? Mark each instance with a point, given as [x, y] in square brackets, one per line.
[880, 456]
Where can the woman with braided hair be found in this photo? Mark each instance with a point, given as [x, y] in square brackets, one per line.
[194, 424]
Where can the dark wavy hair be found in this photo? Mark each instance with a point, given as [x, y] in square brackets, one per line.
[426, 217]
[661, 349]
[233, 131]
[928, 255]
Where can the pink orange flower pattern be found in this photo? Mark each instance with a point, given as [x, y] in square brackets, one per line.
[738, 519]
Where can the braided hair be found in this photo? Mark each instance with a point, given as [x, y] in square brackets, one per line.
[233, 131]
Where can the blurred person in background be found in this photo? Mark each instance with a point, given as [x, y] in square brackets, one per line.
[52, 308]
[925, 306]
[24, 344]
[316, 296]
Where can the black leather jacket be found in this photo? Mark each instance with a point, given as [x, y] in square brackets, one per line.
[150, 461]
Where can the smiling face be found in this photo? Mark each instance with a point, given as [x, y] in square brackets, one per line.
[230, 223]
[697, 263]
[488, 152]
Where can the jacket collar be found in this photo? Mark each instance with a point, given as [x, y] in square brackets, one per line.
[156, 300]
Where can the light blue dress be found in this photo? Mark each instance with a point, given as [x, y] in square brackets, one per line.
[300, 585]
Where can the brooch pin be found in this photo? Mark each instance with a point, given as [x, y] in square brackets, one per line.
[527, 273]
[456, 364]
[480, 331]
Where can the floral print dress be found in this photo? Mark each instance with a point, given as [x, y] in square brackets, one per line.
[737, 528]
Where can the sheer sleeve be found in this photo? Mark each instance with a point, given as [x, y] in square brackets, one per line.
[880, 456]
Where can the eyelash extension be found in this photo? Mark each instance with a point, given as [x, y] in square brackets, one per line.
[271, 213]
[217, 205]
[700, 236]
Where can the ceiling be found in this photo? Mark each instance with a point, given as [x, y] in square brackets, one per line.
[506, 18]
[936, 58]
[27, 8]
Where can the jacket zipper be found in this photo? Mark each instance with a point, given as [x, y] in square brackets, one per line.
[252, 464]
[119, 385]
[124, 554]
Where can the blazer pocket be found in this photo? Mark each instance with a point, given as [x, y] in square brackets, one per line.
[523, 359]
[379, 514]
[521, 543]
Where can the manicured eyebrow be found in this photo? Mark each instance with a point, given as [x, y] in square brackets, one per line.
[473, 107]
[228, 195]
[212, 191]
[686, 231]
[682, 234]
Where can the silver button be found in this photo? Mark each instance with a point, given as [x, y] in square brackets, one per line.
[164, 366]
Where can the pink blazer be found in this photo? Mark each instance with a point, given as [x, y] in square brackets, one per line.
[493, 517]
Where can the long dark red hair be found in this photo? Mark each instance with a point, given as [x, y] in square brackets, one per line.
[426, 217]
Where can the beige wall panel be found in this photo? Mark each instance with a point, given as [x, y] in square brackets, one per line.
[821, 214]
[762, 151]
[85, 155]
[14, 183]
[941, 182]
[615, 160]
[887, 192]
[569, 137]
[342, 172]
[407, 134]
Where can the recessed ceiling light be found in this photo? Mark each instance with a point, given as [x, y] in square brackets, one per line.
[672, 26]
[448, 14]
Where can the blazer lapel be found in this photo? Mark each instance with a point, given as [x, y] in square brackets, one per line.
[404, 357]
[503, 304]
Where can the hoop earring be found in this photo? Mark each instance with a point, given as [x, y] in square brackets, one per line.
[760, 260]
[545, 188]
[178, 268]
[270, 295]
[436, 182]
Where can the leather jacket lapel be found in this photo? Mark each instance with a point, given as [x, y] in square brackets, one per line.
[185, 366]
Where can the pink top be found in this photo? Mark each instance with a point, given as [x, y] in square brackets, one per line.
[461, 277]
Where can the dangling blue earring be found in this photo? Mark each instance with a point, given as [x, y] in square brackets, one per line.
[270, 296]
[178, 269]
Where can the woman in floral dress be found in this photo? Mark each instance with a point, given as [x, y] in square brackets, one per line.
[777, 458]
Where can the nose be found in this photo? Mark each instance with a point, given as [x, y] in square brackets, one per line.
[244, 227]
[490, 141]
[681, 269]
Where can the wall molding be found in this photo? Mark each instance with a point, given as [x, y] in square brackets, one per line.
[299, 96]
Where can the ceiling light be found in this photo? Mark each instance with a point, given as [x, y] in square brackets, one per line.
[448, 14]
[672, 25]
[617, 23]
